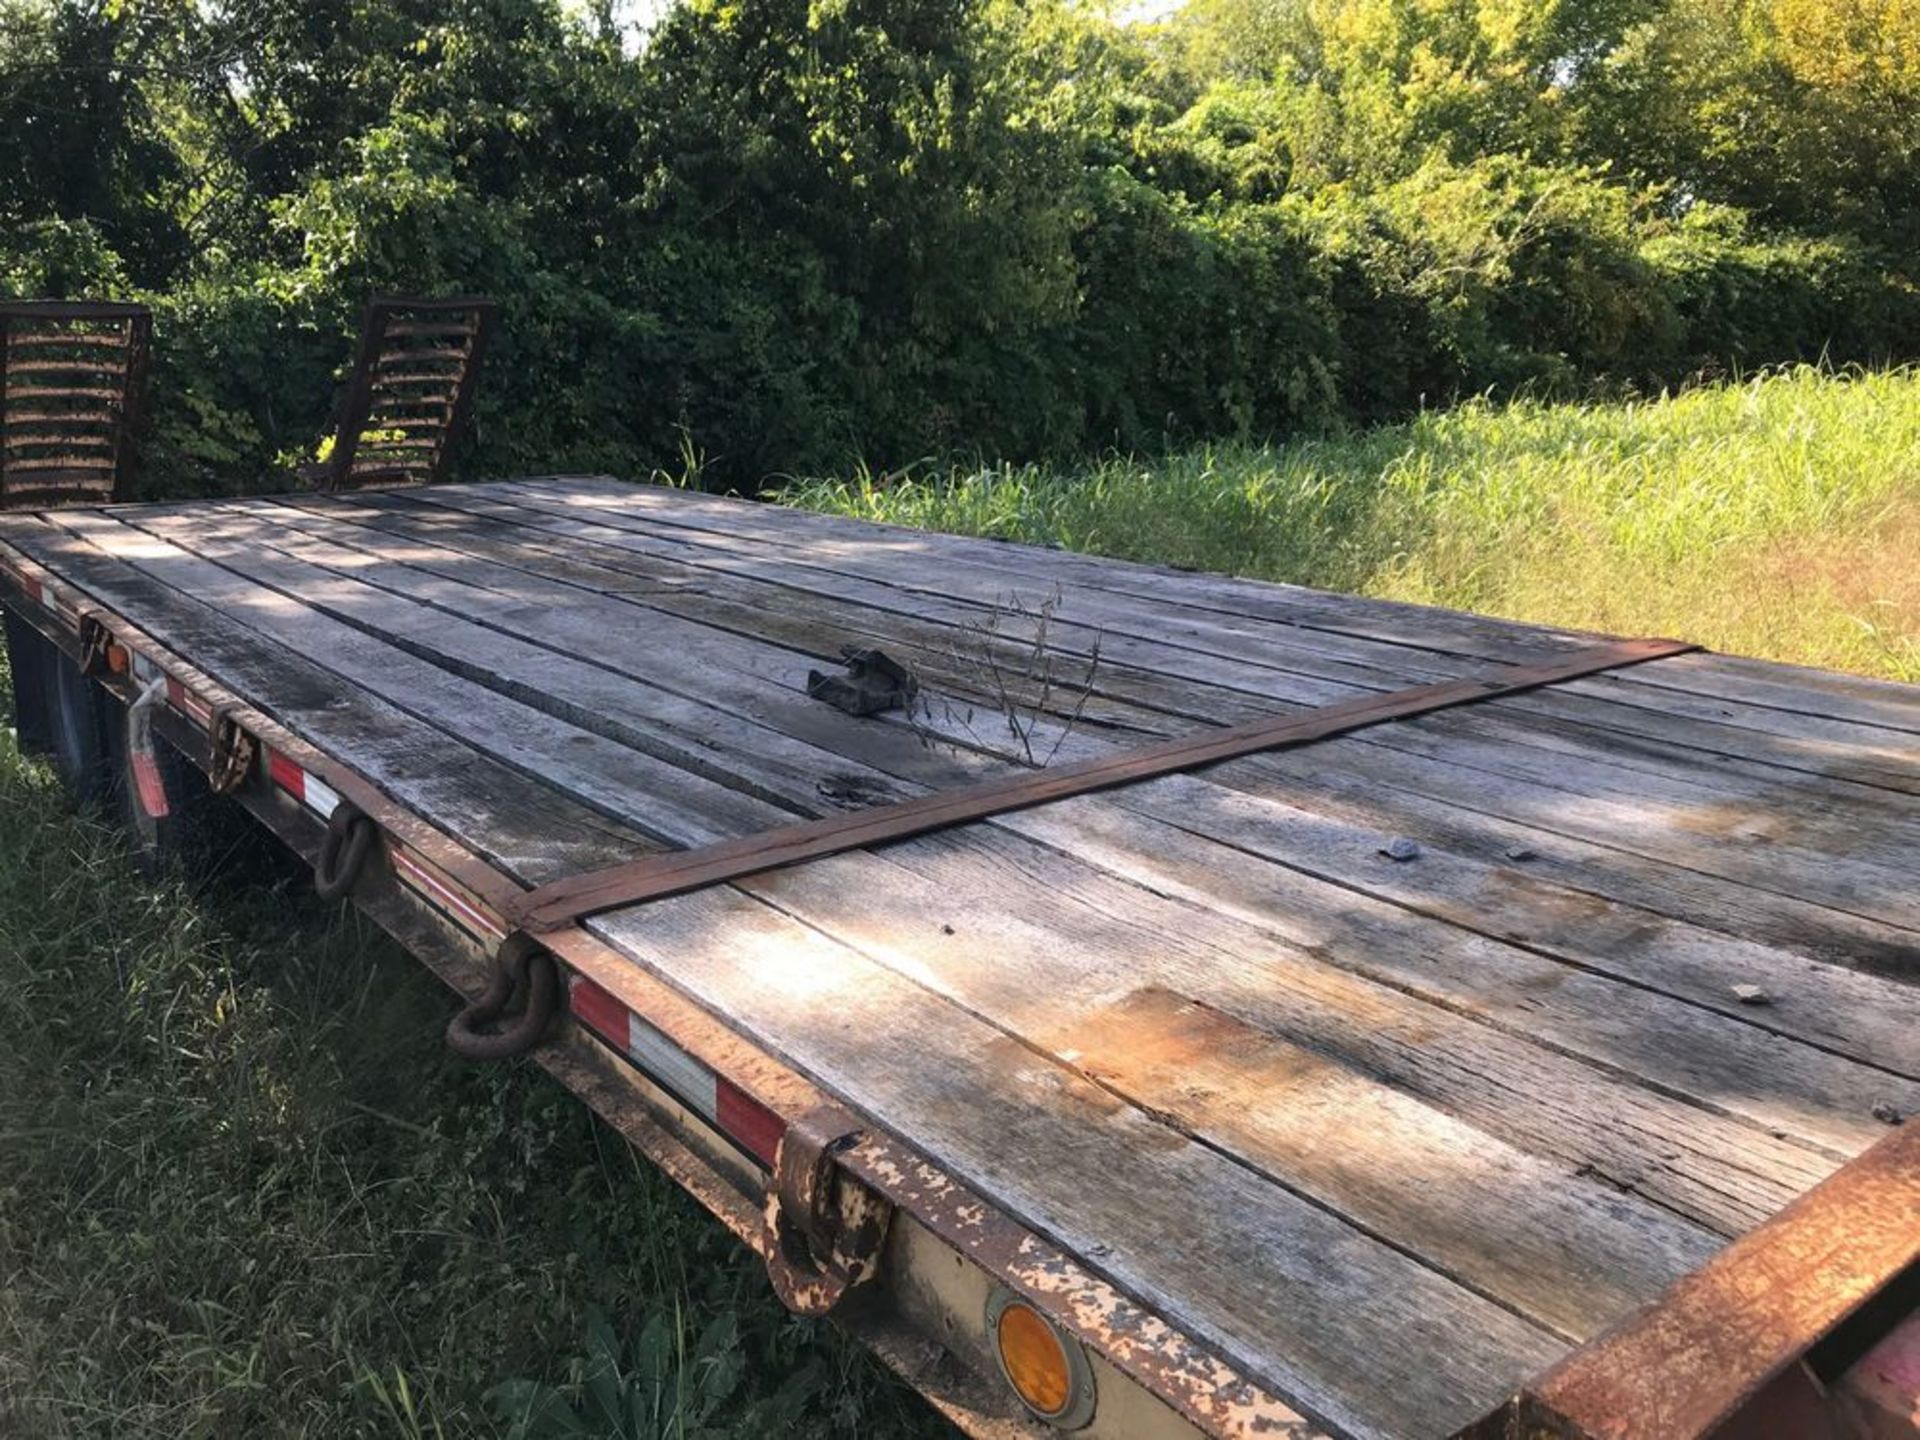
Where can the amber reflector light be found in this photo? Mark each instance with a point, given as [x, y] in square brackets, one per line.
[1035, 1362]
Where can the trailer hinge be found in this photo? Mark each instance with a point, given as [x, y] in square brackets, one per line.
[825, 1230]
[99, 655]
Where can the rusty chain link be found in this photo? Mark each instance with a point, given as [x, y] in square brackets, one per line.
[344, 849]
[523, 970]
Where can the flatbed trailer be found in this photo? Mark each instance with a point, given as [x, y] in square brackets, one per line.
[1511, 1035]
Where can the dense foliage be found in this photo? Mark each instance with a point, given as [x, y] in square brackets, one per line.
[776, 235]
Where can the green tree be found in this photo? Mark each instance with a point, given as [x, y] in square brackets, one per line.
[1805, 112]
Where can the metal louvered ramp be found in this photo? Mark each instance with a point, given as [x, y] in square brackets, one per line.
[409, 393]
[72, 377]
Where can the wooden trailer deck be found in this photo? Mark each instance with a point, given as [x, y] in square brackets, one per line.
[1391, 1067]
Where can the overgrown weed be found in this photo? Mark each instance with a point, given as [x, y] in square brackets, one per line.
[1776, 516]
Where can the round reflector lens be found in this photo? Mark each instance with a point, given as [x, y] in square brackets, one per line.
[1034, 1360]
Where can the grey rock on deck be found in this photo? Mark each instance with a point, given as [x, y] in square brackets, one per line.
[1392, 1134]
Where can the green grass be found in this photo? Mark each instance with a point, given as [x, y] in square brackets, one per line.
[1779, 517]
[244, 1192]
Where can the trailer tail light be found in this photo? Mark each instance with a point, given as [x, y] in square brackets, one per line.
[1048, 1371]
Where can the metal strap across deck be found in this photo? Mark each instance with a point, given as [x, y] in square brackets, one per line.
[564, 902]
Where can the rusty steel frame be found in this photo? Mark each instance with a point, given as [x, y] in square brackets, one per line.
[654, 877]
[1195, 1384]
[1722, 1352]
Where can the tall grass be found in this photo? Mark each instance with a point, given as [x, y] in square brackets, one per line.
[1777, 517]
[244, 1192]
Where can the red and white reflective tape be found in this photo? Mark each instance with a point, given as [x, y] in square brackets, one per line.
[306, 787]
[188, 703]
[149, 788]
[711, 1096]
[46, 594]
[54, 598]
[446, 897]
[433, 887]
[146, 671]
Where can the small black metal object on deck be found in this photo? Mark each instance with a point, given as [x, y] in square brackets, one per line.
[874, 682]
[72, 380]
[410, 391]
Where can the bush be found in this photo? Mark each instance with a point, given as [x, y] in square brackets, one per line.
[1746, 302]
[57, 259]
[796, 233]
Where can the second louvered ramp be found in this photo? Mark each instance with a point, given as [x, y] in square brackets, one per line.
[410, 391]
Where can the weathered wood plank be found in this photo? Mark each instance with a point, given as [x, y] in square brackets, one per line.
[1246, 659]
[1602, 1023]
[1561, 1248]
[1432, 1296]
[1289, 1292]
[1279, 689]
[1004, 934]
[526, 828]
[660, 800]
[1485, 1087]
[1864, 1016]
[1414, 627]
[1869, 1027]
[949, 651]
[1245, 640]
[1680, 1064]
[1754, 842]
[927, 631]
[1772, 866]
[1535, 855]
[1787, 689]
[436, 619]
[1274, 660]
[1248, 940]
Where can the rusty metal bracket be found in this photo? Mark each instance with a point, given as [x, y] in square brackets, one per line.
[95, 643]
[350, 838]
[654, 877]
[825, 1230]
[231, 751]
[1730, 1352]
[524, 968]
